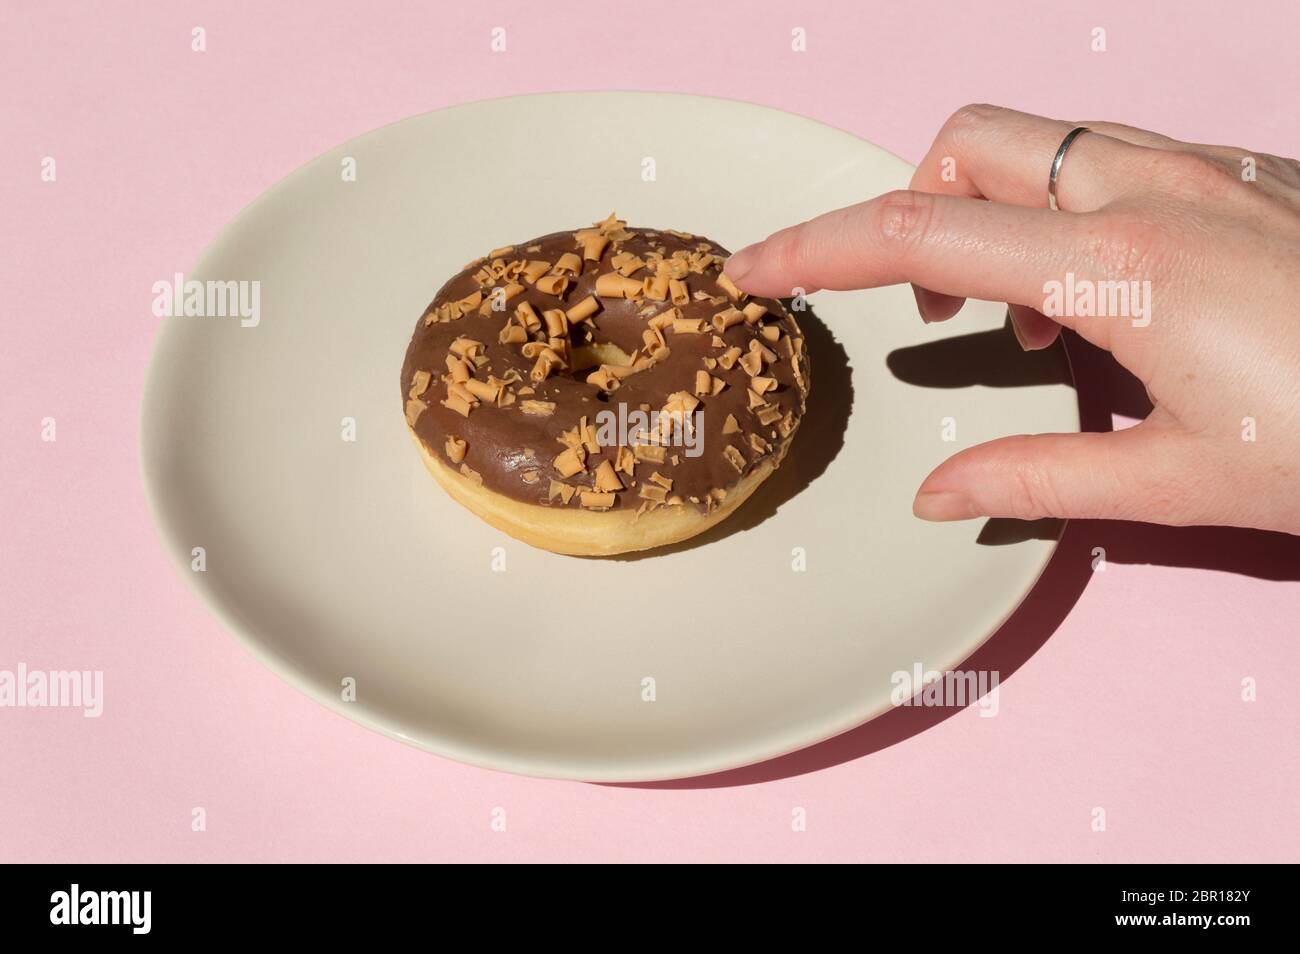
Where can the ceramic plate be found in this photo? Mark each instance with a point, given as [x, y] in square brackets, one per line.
[341, 564]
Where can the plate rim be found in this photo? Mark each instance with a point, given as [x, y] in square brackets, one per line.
[289, 672]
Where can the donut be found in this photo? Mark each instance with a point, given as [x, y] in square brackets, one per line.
[603, 390]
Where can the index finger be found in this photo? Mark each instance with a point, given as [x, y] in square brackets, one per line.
[950, 244]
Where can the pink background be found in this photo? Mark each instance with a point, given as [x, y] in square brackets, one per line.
[1121, 689]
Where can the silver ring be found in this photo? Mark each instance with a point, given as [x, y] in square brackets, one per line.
[1068, 141]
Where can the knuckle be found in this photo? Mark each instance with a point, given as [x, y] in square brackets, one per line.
[1194, 175]
[1286, 170]
[968, 122]
[1130, 248]
[978, 112]
[902, 218]
[1034, 495]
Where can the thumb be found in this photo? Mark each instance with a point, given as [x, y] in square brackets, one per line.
[1140, 473]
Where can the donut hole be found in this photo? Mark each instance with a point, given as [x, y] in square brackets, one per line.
[592, 355]
[588, 356]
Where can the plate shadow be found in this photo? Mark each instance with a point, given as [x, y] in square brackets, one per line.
[994, 359]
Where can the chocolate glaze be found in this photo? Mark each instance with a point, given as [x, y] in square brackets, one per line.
[499, 438]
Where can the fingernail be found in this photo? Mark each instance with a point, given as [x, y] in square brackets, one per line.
[1024, 346]
[943, 505]
[740, 264]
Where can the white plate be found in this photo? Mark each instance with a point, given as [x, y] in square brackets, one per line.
[333, 559]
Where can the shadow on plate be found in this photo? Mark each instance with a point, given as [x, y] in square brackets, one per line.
[994, 359]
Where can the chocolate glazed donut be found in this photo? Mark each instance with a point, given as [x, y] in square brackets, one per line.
[603, 390]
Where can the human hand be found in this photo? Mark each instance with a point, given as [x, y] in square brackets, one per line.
[1206, 243]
